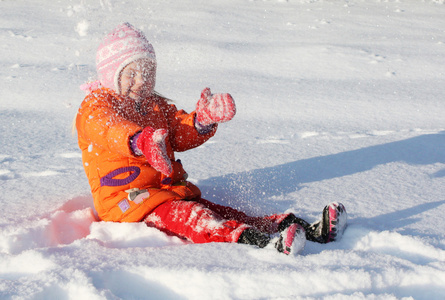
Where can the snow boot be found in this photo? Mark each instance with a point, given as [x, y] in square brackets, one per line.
[330, 228]
[332, 225]
[251, 236]
[292, 239]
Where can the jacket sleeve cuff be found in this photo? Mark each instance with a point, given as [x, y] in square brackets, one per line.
[134, 144]
[203, 129]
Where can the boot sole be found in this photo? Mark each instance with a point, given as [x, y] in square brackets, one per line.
[334, 221]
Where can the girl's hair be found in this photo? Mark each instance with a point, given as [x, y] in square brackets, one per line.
[162, 96]
[73, 126]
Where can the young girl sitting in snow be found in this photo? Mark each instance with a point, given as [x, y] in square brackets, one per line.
[128, 135]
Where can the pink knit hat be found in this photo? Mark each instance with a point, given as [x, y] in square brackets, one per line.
[119, 48]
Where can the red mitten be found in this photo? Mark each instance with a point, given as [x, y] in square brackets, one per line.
[152, 144]
[214, 108]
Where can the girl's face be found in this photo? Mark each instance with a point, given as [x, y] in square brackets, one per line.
[138, 79]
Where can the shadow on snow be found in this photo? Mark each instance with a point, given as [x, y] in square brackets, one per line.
[258, 185]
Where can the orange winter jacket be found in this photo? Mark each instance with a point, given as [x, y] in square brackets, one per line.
[105, 123]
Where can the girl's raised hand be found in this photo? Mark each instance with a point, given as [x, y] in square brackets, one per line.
[214, 108]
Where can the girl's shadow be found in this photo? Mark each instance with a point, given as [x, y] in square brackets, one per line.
[257, 186]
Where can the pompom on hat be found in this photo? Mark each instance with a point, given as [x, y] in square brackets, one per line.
[120, 47]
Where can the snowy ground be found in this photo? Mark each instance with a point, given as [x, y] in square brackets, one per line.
[337, 101]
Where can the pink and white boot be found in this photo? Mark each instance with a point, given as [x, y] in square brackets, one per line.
[292, 239]
[332, 225]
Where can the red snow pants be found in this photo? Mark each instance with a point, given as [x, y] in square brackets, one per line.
[201, 221]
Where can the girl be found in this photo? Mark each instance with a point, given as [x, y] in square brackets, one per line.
[128, 135]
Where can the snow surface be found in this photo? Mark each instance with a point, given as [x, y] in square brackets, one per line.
[337, 101]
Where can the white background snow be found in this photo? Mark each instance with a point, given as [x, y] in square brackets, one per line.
[337, 101]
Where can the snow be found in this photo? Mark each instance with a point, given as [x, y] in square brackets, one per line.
[336, 101]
